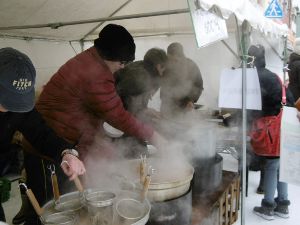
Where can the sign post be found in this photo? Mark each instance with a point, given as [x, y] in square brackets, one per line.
[274, 10]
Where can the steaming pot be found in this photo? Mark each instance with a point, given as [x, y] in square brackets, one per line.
[170, 180]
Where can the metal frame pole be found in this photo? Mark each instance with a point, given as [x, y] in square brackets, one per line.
[244, 47]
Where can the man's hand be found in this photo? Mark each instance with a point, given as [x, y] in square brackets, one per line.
[72, 166]
[159, 141]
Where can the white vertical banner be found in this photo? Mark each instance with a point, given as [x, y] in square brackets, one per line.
[230, 91]
[290, 147]
[208, 27]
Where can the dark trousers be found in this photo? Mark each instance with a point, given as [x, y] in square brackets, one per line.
[2, 216]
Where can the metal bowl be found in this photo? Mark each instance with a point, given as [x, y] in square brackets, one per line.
[69, 202]
[59, 218]
[128, 209]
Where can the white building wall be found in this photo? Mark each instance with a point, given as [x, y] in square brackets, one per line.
[46, 56]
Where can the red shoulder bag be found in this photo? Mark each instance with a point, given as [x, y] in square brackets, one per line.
[265, 132]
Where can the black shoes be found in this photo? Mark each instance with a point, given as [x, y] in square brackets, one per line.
[266, 210]
[282, 208]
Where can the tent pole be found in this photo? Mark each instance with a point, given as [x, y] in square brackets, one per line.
[244, 47]
[104, 19]
[285, 59]
[230, 49]
[113, 13]
[81, 42]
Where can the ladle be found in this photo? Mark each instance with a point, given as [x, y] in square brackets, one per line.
[33, 200]
[129, 210]
[71, 201]
[59, 218]
[54, 182]
[143, 164]
[78, 184]
[146, 183]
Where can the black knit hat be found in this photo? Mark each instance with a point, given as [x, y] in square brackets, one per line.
[258, 51]
[17, 79]
[115, 43]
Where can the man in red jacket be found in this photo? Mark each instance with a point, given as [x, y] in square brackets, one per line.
[81, 96]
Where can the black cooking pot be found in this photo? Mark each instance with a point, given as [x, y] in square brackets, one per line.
[176, 211]
[207, 175]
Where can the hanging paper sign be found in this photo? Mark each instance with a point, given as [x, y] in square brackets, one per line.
[290, 147]
[208, 27]
[230, 91]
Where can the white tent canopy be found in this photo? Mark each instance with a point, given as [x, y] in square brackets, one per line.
[244, 10]
[80, 19]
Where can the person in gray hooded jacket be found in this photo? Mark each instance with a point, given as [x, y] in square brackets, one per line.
[182, 83]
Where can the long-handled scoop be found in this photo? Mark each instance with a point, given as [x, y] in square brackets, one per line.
[146, 183]
[33, 200]
[58, 218]
[143, 164]
[54, 182]
[145, 187]
[78, 184]
[129, 210]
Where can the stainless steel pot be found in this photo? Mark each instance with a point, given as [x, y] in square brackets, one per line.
[59, 218]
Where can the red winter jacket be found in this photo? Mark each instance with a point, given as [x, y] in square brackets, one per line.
[81, 96]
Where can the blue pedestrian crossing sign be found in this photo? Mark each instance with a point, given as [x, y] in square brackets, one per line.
[274, 10]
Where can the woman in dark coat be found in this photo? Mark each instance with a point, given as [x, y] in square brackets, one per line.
[271, 93]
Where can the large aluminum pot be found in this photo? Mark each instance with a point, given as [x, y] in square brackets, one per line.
[170, 180]
[52, 216]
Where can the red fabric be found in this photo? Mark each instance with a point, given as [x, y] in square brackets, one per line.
[81, 96]
[265, 135]
[265, 132]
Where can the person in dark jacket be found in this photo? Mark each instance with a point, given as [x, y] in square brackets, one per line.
[182, 83]
[17, 113]
[271, 92]
[139, 81]
[136, 84]
[294, 71]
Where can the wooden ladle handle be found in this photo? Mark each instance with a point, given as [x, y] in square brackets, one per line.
[34, 202]
[78, 184]
[55, 187]
[145, 188]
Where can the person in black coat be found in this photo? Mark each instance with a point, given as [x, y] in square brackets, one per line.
[17, 113]
[294, 71]
[271, 93]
